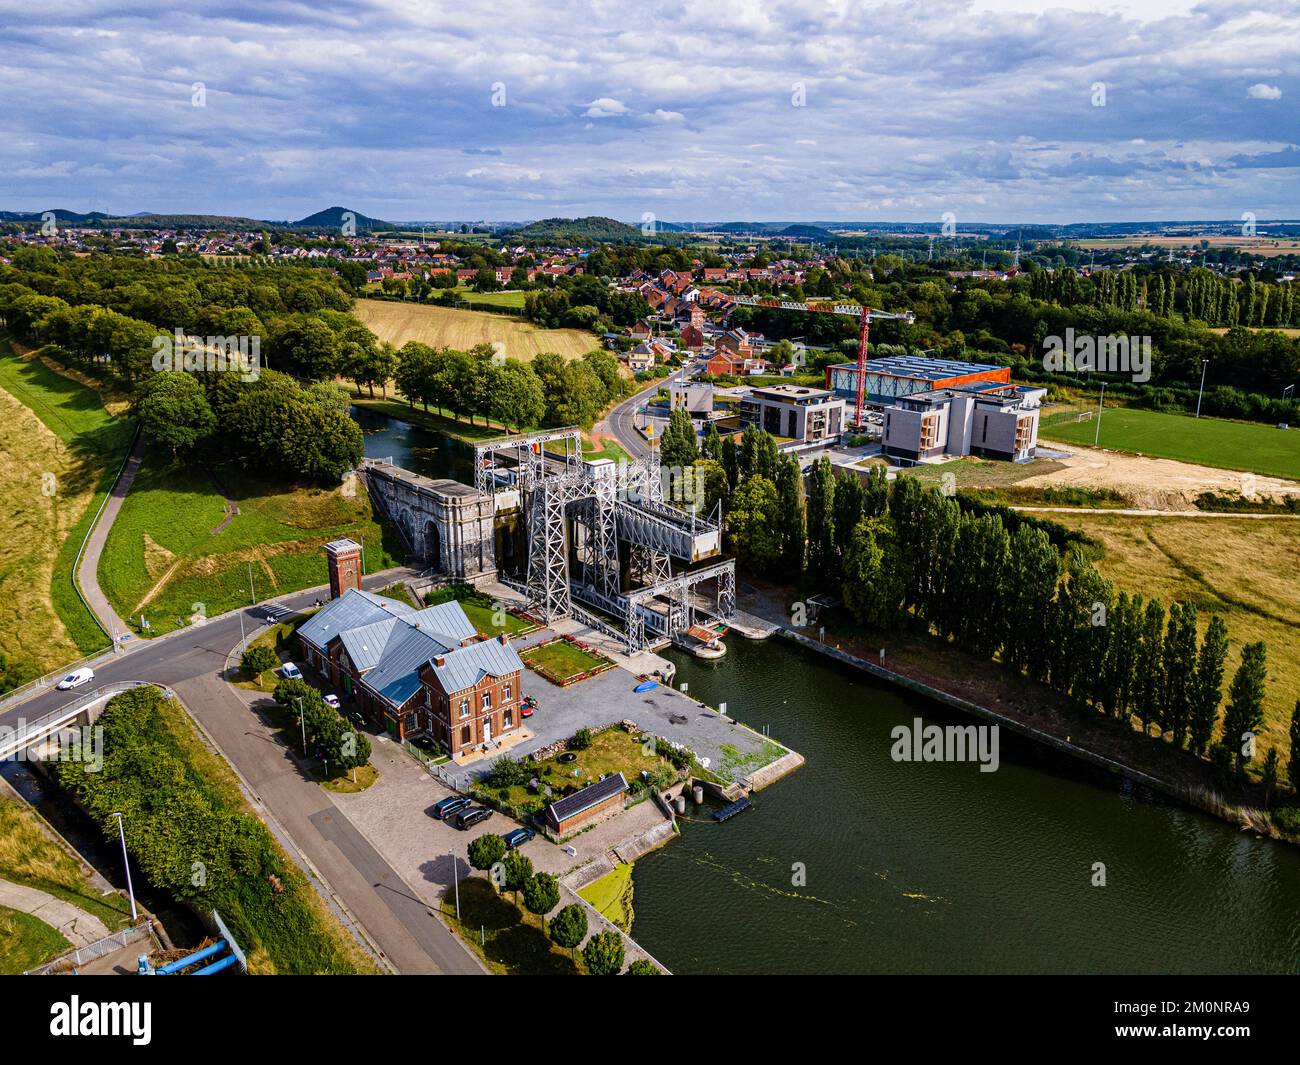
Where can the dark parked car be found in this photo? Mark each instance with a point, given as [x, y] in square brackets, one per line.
[468, 818]
[453, 804]
[518, 837]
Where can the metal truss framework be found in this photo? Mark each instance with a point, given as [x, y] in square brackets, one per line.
[610, 503]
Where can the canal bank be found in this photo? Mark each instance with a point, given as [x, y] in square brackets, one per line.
[858, 863]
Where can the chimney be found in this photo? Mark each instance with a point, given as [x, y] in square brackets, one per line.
[344, 559]
[504, 639]
[439, 661]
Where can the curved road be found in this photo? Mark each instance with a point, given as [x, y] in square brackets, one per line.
[191, 661]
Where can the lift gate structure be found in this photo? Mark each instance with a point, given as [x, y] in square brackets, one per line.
[606, 504]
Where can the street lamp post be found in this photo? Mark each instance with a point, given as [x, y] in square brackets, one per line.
[1201, 391]
[126, 864]
[302, 720]
[455, 876]
[1100, 402]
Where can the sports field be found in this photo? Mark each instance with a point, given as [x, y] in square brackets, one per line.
[1249, 446]
[451, 327]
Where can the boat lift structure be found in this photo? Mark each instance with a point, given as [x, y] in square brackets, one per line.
[601, 532]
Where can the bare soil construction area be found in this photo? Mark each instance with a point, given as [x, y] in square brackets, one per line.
[1149, 483]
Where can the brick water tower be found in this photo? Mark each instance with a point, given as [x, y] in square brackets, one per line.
[345, 566]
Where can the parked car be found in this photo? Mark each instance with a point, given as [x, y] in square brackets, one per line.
[518, 837]
[525, 711]
[76, 678]
[468, 818]
[290, 672]
[446, 808]
[332, 700]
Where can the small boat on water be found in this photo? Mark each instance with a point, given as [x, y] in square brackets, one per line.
[646, 686]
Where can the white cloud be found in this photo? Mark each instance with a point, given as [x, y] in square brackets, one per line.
[605, 107]
[1261, 91]
[660, 115]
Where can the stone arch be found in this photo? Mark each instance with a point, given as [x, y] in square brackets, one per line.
[434, 555]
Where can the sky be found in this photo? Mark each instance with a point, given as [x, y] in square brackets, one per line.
[789, 110]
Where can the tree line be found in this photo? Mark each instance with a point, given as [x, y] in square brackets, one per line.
[999, 585]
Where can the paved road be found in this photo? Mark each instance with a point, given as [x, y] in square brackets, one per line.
[620, 421]
[191, 661]
[88, 570]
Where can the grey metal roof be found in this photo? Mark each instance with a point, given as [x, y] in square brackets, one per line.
[570, 805]
[465, 666]
[397, 676]
[351, 610]
[445, 618]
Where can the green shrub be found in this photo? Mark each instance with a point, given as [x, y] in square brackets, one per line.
[581, 740]
[1287, 818]
[258, 659]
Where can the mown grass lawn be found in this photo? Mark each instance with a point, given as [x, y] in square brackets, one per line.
[26, 942]
[169, 556]
[612, 751]
[561, 659]
[62, 450]
[1229, 445]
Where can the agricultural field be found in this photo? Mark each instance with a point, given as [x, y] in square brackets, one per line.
[1256, 245]
[1247, 570]
[61, 449]
[1247, 446]
[180, 549]
[463, 329]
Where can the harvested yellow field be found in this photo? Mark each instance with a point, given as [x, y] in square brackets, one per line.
[1247, 570]
[451, 327]
[1256, 245]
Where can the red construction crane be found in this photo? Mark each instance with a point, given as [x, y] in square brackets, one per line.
[863, 314]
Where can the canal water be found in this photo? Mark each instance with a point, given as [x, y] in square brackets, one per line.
[937, 867]
[420, 450]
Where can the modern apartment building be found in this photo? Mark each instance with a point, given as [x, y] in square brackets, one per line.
[993, 420]
[805, 415]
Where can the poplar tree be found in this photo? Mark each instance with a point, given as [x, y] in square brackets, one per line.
[1148, 687]
[848, 508]
[1179, 671]
[1029, 586]
[820, 511]
[789, 488]
[1245, 710]
[1207, 687]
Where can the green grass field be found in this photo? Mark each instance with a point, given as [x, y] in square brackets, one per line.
[1228, 445]
[62, 450]
[163, 558]
[26, 942]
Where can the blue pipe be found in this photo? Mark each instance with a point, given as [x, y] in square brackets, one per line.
[217, 966]
[190, 959]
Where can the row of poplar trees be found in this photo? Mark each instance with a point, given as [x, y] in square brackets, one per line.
[913, 557]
